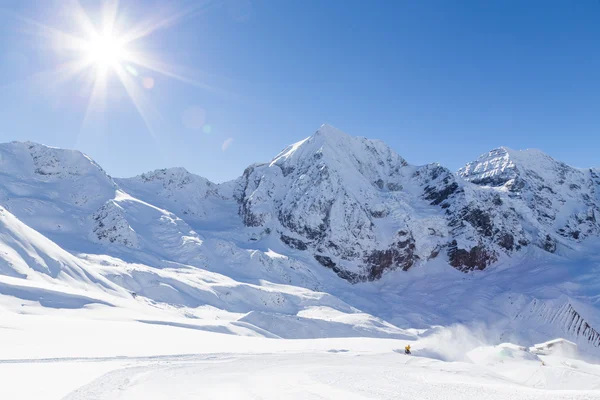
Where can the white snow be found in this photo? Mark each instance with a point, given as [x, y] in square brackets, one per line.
[557, 346]
[272, 254]
[166, 285]
[104, 356]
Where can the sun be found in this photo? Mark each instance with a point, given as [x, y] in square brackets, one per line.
[106, 47]
[106, 51]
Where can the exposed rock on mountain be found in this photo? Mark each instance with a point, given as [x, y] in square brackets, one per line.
[330, 206]
[559, 202]
[190, 196]
[111, 226]
[350, 204]
[346, 199]
[52, 190]
[340, 197]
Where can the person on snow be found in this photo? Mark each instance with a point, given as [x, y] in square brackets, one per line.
[407, 349]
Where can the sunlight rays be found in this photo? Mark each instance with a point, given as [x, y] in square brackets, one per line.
[146, 61]
[103, 50]
[140, 101]
[151, 25]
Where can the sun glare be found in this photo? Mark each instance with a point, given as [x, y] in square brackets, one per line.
[107, 47]
[106, 51]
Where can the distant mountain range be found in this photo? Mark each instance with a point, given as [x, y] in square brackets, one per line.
[327, 211]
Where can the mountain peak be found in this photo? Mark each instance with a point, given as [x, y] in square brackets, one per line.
[494, 168]
[175, 177]
[341, 152]
[166, 172]
[501, 165]
[330, 132]
[325, 135]
[48, 163]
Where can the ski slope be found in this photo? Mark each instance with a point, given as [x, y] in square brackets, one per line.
[91, 355]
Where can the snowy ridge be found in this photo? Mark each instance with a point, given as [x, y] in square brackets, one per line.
[39, 263]
[333, 194]
[562, 199]
[565, 318]
[495, 168]
[267, 250]
[361, 210]
[576, 325]
[52, 190]
[190, 196]
[112, 226]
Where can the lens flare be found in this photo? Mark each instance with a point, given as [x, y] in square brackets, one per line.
[104, 50]
[148, 83]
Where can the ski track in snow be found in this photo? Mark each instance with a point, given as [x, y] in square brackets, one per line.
[309, 376]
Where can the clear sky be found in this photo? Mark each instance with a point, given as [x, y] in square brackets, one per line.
[232, 82]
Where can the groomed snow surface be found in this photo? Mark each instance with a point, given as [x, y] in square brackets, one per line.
[100, 353]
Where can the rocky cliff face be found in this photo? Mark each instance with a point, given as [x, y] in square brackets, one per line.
[559, 202]
[111, 226]
[344, 199]
[563, 317]
[362, 210]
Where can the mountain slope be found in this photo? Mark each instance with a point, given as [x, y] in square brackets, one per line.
[361, 210]
[554, 197]
[34, 270]
[51, 189]
[349, 201]
[349, 204]
[268, 249]
[192, 197]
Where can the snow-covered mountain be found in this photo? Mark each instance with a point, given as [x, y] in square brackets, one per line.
[194, 198]
[362, 210]
[52, 190]
[335, 235]
[554, 197]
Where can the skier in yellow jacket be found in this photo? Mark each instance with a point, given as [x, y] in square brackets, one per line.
[407, 349]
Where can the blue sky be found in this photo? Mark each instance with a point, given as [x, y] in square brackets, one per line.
[437, 80]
